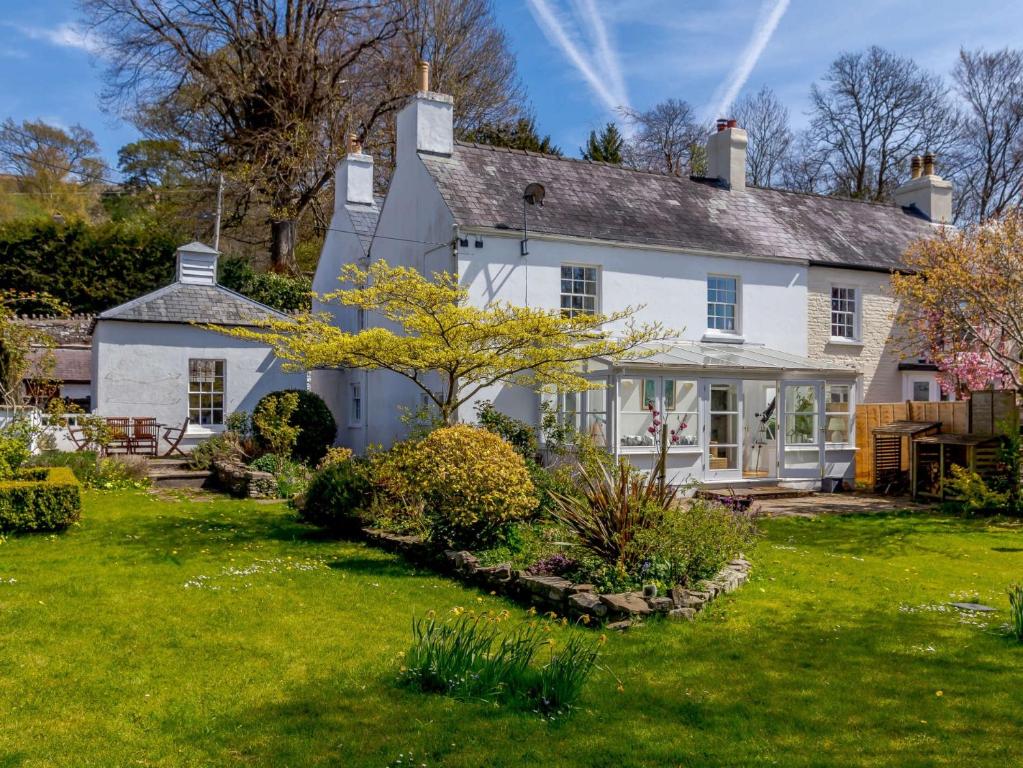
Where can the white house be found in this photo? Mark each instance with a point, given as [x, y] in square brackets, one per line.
[152, 357]
[768, 289]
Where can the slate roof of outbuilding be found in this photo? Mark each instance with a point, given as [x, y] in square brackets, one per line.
[191, 303]
[483, 187]
[364, 220]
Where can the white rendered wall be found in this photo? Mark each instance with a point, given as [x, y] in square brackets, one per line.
[141, 369]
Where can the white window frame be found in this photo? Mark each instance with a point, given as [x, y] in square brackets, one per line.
[355, 395]
[850, 414]
[673, 417]
[737, 330]
[857, 298]
[596, 287]
[198, 422]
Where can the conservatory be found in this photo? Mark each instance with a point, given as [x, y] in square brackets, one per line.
[736, 413]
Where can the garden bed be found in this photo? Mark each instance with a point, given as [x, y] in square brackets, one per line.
[577, 601]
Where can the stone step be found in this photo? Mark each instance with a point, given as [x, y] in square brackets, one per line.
[182, 478]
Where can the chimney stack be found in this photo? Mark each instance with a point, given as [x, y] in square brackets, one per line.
[353, 178]
[925, 191]
[426, 123]
[726, 155]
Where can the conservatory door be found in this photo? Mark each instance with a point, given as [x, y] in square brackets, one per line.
[802, 430]
[722, 430]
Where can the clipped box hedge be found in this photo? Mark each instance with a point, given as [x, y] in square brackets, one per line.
[40, 499]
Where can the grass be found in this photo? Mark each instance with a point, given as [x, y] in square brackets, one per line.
[211, 632]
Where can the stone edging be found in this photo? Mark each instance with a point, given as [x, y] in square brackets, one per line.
[561, 595]
[239, 480]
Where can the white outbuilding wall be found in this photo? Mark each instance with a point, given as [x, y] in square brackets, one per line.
[141, 369]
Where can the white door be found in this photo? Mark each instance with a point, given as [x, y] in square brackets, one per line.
[801, 429]
[722, 430]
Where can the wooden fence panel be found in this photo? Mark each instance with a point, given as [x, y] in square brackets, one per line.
[954, 418]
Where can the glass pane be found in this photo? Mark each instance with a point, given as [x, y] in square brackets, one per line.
[921, 391]
[649, 393]
[722, 457]
[723, 397]
[838, 398]
[801, 429]
[595, 425]
[802, 458]
[631, 394]
[836, 429]
[633, 429]
[723, 429]
[682, 428]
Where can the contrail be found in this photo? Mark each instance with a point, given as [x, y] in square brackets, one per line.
[770, 14]
[609, 89]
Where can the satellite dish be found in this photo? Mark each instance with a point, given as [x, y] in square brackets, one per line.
[534, 194]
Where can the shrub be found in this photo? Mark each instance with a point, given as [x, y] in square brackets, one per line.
[222, 447]
[691, 541]
[553, 565]
[115, 473]
[520, 435]
[15, 446]
[313, 420]
[291, 476]
[82, 463]
[973, 494]
[272, 420]
[473, 483]
[1016, 611]
[40, 499]
[613, 507]
[335, 455]
[469, 658]
[336, 495]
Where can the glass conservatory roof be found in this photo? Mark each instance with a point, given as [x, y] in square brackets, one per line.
[696, 354]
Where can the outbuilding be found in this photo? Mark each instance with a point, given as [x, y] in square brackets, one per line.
[155, 357]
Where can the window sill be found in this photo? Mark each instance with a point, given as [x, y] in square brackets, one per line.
[206, 430]
[723, 337]
[680, 449]
[837, 341]
[840, 447]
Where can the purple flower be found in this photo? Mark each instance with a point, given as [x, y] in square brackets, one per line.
[651, 430]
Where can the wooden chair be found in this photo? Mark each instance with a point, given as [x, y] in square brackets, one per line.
[120, 434]
[77, 436]
[145, 435]
[173, 436]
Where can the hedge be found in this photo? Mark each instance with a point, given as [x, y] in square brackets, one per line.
[40, 499]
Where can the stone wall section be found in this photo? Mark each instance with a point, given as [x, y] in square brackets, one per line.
[877, 354]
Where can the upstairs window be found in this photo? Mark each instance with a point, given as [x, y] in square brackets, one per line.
[355, 405]
[578, 290]
[723, 304]
[844, 317]
[206, 392]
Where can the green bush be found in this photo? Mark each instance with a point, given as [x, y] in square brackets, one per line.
[222, 447]
[110, 473]
[336, 496]
[283, 292]
[520, 435]
[15, 446]
[972, 493]
[691, 541]
[473, 484]
[315, 422]
[40, 499]
[292, 477]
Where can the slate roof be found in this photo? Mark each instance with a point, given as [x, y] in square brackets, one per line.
[483, 188]
[190, 303]
[69, 364]
[364, 220]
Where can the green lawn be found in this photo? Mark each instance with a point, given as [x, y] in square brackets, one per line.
[213, 632]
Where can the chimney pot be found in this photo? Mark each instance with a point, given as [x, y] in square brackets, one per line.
[423, 76]
[722, 124]
[915, 167]
[928, 164]
[732, 124]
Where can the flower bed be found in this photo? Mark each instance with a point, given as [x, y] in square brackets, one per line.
[577, 601]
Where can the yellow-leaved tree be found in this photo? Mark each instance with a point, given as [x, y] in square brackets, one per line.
[447, 346]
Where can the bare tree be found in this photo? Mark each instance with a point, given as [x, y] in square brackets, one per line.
[766, 121]
[875, 110]
[804, 166]
[991, 177]
[667, 139]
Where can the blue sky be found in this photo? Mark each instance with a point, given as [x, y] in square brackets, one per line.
[579, 59]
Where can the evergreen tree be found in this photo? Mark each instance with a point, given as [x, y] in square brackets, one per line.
[517, 134]
[605, 147]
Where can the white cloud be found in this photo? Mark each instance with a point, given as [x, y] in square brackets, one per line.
[64, 35]
[600, 68]
[767, 21]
